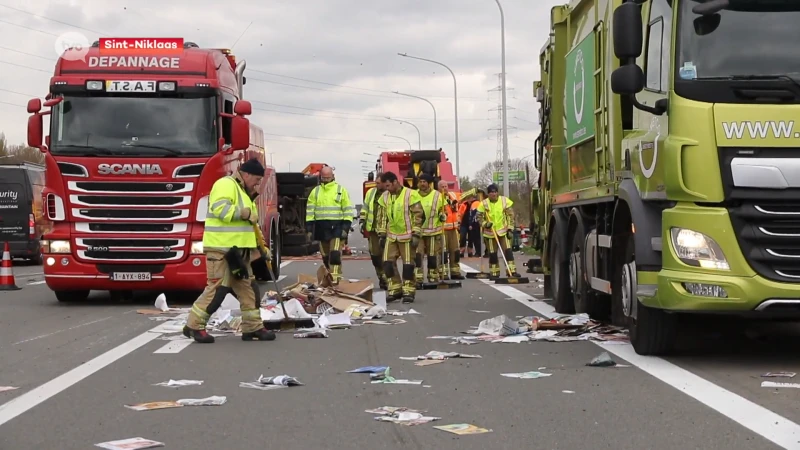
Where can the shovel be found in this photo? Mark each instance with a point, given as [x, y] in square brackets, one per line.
[449, 283]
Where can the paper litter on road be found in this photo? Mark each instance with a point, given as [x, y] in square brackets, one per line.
[478, 311]
[442, 337]
[465, 341]
[161, 303]
[462, 429]
[428, 362]
[772, 384]
[602, 360]
[214, 400]
[389, 410]
[527, 375]
[516, 339]
[384, 322]
[259, 386]
[335, 321]
[779, 375]
[137, 443]
[311, 333]
[369, 369]
[568, 392]
[499, 326]
[407, 418]
[385, 378]
[179, 383]
[435, 354]
[8, 388]
[149, 406]
[280, 380]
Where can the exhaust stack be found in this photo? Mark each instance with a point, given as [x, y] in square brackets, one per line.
[239, 72]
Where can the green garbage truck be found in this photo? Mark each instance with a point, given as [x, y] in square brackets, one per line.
[670, 170]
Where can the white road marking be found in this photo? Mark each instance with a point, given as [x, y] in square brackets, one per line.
[752, 416]
[28, 400]
[61, 331]
[285, 263]
[175, 346]
[33, 283]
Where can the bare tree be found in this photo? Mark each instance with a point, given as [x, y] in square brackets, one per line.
[15, 154]
[520, 190]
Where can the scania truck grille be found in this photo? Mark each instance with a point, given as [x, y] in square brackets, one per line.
[124, 223]
[769, 235]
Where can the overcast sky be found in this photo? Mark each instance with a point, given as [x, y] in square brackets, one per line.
[320, 72]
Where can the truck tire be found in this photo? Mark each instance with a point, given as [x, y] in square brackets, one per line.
[291, 190]
[296, 250]
[294, 240]
[311, 181]
[585, 299]
[654, 330]
[424, 155]
[290, 178]
[559, 266]
[72, 296]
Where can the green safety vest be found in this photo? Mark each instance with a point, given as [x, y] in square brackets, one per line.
[432, 205]
[398, 213]
[368, 210]
[496, 213]
[224, 227]
[329, 202]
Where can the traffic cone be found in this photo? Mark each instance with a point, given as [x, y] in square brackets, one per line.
[7, 282]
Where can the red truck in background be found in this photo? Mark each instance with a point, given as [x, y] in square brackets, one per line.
[408, 165]
[135, 144]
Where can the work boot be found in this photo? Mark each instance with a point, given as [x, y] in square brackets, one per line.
[457, 276]
[394, 296]
[200, 336]
[260, 335]
[383, 284]
[408, 298]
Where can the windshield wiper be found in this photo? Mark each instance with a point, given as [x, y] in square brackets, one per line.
[99, 150]
[157, 147]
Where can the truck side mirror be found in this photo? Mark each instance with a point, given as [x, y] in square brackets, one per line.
[35, 130]
[627, 80]
[243, 108]
[34, 105]
[628, 37]
[240, 133]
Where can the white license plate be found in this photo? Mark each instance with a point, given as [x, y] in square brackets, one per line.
[130, 276]
[130, 86]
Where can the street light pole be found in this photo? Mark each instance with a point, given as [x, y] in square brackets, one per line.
[419, 135]
[398, 137]
[455, 99]
[435, 132]
[503, 88]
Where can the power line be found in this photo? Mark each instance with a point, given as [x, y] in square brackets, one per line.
[383, 117]
[352, 87]
[29, 28]
[13, 104]
[52, 20]
[26, 67]
[26, 53]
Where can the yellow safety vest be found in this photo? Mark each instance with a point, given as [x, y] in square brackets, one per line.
[496, 213]
[329, 202]
[398, 213]
[432, 205]
[368, 210]
[224, 227]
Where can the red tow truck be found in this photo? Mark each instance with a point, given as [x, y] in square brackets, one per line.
[135, 144]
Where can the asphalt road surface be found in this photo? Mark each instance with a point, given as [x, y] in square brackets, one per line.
[77, 365]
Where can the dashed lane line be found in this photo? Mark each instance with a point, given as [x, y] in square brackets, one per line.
[752, 416]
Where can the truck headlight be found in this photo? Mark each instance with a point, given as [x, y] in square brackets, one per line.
[197, 247]
[697, 249]
[55, 247]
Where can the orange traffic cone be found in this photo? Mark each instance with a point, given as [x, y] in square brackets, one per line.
[7, 282]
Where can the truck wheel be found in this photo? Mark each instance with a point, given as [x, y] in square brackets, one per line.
[291, 190]
[295, 239]
[290, 177]
[653, 330]
[559, 266]
[311, 181]
[72, 296]
[586, 300]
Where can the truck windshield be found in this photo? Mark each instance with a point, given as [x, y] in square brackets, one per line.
[749, 37]
[134, 126]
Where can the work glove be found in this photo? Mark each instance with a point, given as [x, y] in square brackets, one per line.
[488, 225]
[346, 229]
[382, 242]
[363, 226]
[414, 241]
[442, 217]
[309, 227]
[245, 213]
[266, 253]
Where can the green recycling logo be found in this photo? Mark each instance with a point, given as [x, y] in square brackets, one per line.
[578, 85]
